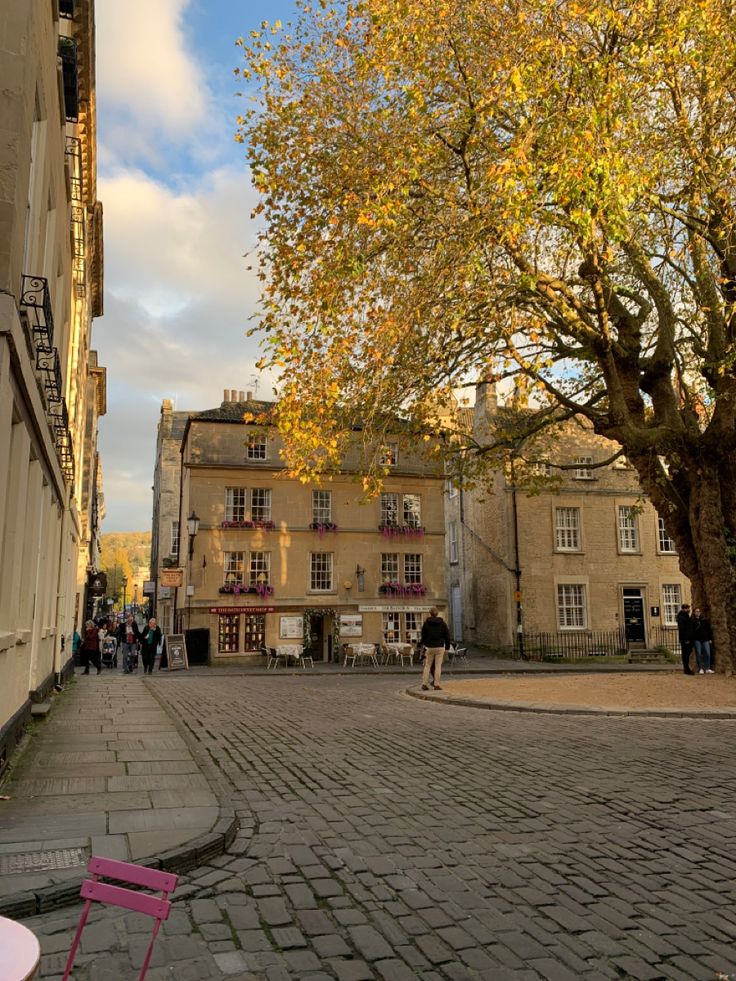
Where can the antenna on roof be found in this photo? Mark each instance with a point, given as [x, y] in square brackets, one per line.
[255, 382]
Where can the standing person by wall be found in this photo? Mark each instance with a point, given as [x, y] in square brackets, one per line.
[91, 647]
[702, 637]
[150, 639]
[684, 631]
[436, 640]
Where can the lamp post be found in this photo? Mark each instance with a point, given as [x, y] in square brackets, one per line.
[125, 586]
[192, 529]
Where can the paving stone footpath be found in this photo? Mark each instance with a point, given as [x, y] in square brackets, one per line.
[386, 837]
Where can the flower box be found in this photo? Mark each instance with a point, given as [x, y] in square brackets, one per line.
[401, 589]
[322, 526]
[264, 525]
[238, 589]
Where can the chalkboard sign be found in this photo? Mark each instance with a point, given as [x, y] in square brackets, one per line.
[176, 652]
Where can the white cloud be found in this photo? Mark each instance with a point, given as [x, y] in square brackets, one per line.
[145, 68]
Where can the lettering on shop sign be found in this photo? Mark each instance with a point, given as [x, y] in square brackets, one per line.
[176, 652]
[242, 609]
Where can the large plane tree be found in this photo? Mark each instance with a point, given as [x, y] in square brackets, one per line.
[542, 187]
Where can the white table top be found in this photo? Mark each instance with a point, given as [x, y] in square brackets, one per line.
[20, 951]
[290, 650]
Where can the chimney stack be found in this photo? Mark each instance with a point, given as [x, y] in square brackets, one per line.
[249, 396]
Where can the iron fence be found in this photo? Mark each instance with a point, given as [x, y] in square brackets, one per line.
[595, 643]
[667, 637]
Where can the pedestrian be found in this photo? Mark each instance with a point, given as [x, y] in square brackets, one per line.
[684, 631]
[150, 639]
[128, 636]
[76, 646]
[436, 640]
[702, 636]
[91, 647]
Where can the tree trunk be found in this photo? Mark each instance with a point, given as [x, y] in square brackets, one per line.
[712, 548]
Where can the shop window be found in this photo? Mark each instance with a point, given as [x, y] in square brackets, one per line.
[412, 626]
[391, 627]
[228, 633]
[254, 631]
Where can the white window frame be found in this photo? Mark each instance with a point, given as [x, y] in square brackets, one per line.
[451, 489]
[389, 455]
[321, 507]
[256, 447]
[389, 567]
[412, 510]
[233, 568]
[262, 510]
[259, 562]
[583, 471]
[390, 508]
[572, 607]
[671, 603]
[665, 544]
[236, 503]
[174, 538]
[391, 627]
[452, 542]
[628, 529]
[412, 626]
[567, 529]
[321, 574]
[413, 568]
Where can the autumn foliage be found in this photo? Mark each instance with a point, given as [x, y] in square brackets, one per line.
[545, 188]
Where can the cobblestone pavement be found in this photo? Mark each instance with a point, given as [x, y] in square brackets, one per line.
[386, 837]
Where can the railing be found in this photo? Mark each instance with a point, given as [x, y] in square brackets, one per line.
[668, 637]
[36, 300]
[543, 646]
[49, 366]
[73, 153]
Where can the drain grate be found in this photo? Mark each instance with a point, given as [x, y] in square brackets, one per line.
[59, 858]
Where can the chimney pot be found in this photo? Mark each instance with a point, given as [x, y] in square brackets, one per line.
[241, 396]
[226, 395]
[249, 396]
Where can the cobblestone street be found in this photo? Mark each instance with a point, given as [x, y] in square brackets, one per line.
[386, 837]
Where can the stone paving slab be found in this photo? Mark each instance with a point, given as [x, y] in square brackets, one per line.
[388, 838]
[75, 780]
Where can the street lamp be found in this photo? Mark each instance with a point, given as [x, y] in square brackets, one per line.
[192, 528]
[125, 586]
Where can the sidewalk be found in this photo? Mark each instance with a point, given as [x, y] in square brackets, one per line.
[107, 773]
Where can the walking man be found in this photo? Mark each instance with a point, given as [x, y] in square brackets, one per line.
[685, 633]
[129, 635]
[436, 640]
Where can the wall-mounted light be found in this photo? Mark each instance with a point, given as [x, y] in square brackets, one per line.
[192, 528]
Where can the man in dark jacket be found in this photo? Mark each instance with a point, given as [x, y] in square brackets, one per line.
[128, 635]
[685, 633]
[702, 637]
[436, 640]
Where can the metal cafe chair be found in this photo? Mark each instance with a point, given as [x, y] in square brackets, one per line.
[94, 891]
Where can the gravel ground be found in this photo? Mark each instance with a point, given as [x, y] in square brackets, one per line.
[641, 691]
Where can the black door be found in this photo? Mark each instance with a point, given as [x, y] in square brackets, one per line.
[634, 617]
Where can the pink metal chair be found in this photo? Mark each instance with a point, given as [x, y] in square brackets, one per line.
[95, 891]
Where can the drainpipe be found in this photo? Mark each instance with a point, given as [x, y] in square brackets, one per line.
[517, 567]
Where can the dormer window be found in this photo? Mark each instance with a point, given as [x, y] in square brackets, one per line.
[257, 447]
[583, 471]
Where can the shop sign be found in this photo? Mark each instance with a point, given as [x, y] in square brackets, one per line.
[242, 609]
[164, 592]
[395, 609]
[291, 627]
[149, 587]
[351, 625]
[171, 577]
[176, 652]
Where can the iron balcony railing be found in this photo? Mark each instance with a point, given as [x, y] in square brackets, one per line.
[36, 301]
[49, 365]
[73, 153]
[595, 643]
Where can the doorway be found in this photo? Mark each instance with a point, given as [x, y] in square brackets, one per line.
[320, 634]
[634, 616]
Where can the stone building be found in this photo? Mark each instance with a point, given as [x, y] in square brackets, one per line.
[166, 490]
[586, 558]
[51, 388]
[274, 560]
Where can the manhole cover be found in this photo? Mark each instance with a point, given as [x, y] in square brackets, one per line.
[59, 858]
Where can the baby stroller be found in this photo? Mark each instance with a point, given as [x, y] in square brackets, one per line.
[109, 652]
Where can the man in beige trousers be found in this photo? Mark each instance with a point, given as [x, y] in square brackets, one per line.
[436, 640]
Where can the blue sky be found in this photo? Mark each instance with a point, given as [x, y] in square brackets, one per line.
[176, 197]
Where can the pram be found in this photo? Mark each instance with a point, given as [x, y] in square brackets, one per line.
[109, 652]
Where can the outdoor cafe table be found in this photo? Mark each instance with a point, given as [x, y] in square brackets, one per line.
[20, 951]
[293, 651]
[399, 651]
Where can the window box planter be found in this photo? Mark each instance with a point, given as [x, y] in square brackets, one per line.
[400, 589]
[322, 526]
[394, 531]
[237, 589]
[264, 525]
